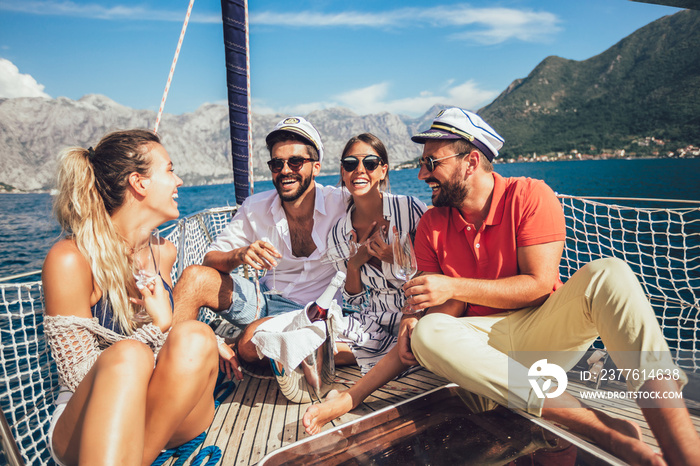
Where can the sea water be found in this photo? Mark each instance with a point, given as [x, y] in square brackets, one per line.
[28, 229]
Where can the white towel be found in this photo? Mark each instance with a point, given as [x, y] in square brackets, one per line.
[291, 337]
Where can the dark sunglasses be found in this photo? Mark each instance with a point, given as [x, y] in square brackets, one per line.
[370, 162]
[295, 164]
[430, 163]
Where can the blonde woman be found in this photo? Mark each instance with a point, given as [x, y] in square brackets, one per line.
[128, 389]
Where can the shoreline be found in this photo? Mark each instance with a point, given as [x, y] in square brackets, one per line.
[406, 166]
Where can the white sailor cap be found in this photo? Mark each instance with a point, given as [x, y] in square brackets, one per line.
[456, 123]
[303, 128]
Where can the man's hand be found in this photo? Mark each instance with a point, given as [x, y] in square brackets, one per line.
[427, 291]
[228, 363]
[259, 255]
[404, 341]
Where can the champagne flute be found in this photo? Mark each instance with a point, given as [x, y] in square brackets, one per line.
[340, 252]
[275, 240]
[345, 250]
[145, 265]
[405, 266]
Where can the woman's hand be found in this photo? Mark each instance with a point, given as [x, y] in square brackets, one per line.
[378, 247]
[363, 255]
[408, 323]
[156, 300]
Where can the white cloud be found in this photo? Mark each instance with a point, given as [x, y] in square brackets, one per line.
[486, 25]
[15, 84]
[502, 24]
[468, 95]
[315, 19]
[483, 25]
[99, 11]
[260, 107]
[373, 99]
[368, 99]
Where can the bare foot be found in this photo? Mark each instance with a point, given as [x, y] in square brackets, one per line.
[622, 438]
[335, 405]
[623, 426]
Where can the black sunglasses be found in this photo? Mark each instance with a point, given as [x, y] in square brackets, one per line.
[430, 163]
[295, 164]
[370, 162]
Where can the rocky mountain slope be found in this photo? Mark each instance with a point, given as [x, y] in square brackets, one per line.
[34, 130]
[646, 85]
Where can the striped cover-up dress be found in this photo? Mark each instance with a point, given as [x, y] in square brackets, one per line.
[371, 328]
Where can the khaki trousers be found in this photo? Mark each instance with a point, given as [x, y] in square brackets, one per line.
[603, 298]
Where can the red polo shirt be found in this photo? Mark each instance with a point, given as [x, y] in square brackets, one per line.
[523, 212]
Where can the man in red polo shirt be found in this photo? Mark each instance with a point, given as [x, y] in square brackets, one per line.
[493, 302]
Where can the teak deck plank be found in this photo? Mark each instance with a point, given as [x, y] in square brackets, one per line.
[628, 409]
[256, 419]
[265, 424]
[236, 430]
[256, 425]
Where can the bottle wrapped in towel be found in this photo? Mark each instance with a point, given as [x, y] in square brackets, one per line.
[291, 337]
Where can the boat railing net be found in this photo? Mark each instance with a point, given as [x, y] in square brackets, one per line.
[29, 378]
[660, 242]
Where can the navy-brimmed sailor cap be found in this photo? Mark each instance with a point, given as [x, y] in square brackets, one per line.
[303, 128]
[456, 123]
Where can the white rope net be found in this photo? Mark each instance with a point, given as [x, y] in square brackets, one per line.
[28, 375]
[661, 245]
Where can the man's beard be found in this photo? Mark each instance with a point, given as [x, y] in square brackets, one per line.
[452, 193]
[304, 184]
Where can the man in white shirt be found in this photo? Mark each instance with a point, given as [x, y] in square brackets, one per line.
[297, 217]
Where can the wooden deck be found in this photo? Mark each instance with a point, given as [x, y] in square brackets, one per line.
[256, 419]
[628, 409]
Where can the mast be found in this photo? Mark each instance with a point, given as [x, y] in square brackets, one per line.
[234, 14]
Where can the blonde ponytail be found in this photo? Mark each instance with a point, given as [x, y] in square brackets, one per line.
[91, 186]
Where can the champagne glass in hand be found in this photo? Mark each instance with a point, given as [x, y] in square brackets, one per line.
[341, 251]
[145, 265]
[405, 266]
[345, 250]
[275, 240]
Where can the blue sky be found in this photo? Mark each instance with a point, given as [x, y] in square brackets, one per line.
[366, 55]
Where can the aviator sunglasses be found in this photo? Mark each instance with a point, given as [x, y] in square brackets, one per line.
[370, 162]
[430, 163]
[295, 164]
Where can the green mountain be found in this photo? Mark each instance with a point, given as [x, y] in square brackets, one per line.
[647, 85]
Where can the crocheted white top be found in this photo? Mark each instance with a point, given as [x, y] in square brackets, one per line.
[76, 342]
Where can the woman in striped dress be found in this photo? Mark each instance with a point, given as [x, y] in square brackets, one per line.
[371, 289]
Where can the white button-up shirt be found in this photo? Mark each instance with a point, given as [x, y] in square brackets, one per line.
[300, 279]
